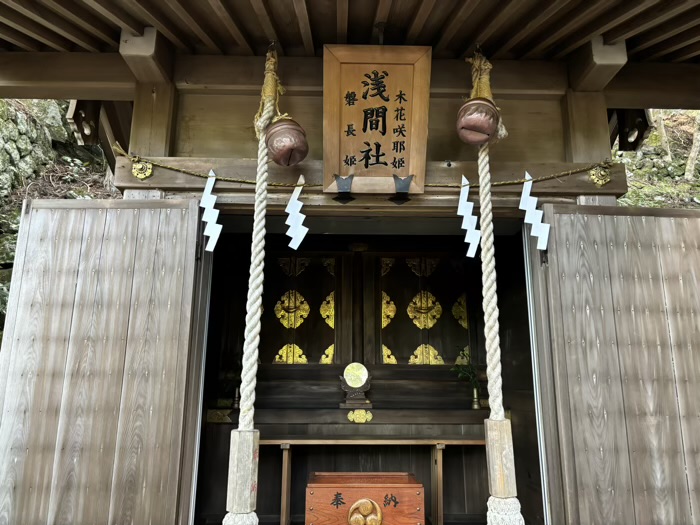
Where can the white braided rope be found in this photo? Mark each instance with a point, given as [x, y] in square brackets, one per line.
[254, 301]
[501, 511]
[488, 280]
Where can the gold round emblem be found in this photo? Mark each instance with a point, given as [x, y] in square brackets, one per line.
[292, 309]
[355, 375]
[424, 310]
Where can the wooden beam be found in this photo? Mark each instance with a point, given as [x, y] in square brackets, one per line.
[503, 13]
[685, 54]
[610, 19]
[585, 118]
[381, 15]
[266, 22]
[157, 19]
[153, 118]
[436, 173]
[304, 76]
[32, 29]
[229, 21]
[304, 26]
[663, 86]
[647, 20]
[83, 19]
[117, 117]
[672, 44]
[424, 9]
[664, 31]
[595, 64]
[18, 39]
[149, 57]
[114, 14]
[455, 23]
[341, 21]
[194, 26]
[578, 16]
[532, 23]
[55, 23]
[89, 76]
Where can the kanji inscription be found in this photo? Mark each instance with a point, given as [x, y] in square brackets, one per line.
[375, 116]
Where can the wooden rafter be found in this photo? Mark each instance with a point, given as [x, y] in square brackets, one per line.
[231, 26]
[18, 39]
[381, 15]
[304, 26]
[54, 23]
[156, 19]
[266, 22]
[194, 25]
[646, 20]
[578, 16]
[504, 13]
[342, 21]
[83, 19]
[664, 31]
[418, 22]
[107, 10]
[600, 25]
[32, 29]
[686, 53]
[686, 38]
[538, 17]
[455, 23]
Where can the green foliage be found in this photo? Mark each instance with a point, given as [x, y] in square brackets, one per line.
[466, 371]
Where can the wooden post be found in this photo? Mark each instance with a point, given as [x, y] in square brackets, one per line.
[436, 484]
[285, 505]
[585, 119]
[500, 460]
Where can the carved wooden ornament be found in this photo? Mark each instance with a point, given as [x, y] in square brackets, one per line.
[375, 117]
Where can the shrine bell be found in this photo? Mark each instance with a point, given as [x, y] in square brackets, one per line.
[477, 121]
[286, 142]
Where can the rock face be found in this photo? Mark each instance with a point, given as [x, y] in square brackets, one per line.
[25, 140]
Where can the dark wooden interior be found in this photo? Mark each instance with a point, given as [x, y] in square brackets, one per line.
[409, 401]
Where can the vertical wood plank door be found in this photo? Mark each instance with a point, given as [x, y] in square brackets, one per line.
[623, 308]
[93, 362]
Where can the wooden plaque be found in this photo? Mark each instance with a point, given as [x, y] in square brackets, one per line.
[375, 116]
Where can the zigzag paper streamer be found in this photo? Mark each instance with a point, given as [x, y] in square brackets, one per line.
[297, 231]
[211, 214]
[465, 209]
[533, 216]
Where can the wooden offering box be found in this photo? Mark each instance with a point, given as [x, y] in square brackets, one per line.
[364, 498]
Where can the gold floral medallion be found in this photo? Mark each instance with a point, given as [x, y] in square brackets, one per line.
[426, 355]
[388, 309]
[424, 309]
[387, 357]
[328, 310]
[459, 310]
[292, 309]
[291, 354]
[360, 416]
[327, 357]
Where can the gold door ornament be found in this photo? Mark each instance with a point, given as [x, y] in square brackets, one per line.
[293, 266]
[388, 309]
[329, 264]
[291, 354]
[387, 263]
[292, 309]
[328, 310]
[360, 416]
[426, 355]
[424, 309]
[327, 357]
[464, 357]
[387, 357]
[459, 310]
[422, 267]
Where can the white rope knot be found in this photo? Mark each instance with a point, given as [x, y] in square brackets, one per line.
[246, 518]
[504, 511]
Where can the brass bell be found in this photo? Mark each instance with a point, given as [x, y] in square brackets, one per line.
[477, 121]
[286, 142]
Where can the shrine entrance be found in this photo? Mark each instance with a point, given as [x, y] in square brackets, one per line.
[408, 307]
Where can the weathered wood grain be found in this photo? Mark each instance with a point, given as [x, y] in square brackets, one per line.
[36, 368]
[646, 365]
[679, 251]
[600, 450]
